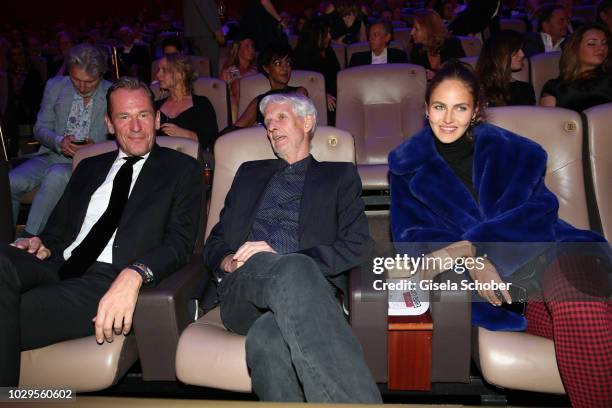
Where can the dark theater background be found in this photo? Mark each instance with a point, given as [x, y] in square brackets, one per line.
[39, 11]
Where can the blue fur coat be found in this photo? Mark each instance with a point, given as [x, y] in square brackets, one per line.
[430, 204]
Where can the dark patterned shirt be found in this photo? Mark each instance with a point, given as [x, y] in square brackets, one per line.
[277, 218]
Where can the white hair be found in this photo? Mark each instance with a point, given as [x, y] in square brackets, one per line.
[301, 105]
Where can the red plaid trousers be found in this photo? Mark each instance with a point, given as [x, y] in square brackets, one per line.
[575, 311]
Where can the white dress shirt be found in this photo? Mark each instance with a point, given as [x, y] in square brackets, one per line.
[548, 43]
[98, 204]
[379, 59]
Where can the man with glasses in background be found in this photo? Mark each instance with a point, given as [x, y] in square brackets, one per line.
[71, 116]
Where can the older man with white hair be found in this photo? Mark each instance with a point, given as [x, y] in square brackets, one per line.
[290, 230]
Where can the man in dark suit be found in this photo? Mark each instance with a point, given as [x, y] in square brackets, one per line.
[127, 218]
[552, 29]
[380, 36]
[289, 231]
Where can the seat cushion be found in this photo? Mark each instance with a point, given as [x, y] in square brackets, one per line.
[81, 364]
[519, 361]
[374, 176]
[209, 355]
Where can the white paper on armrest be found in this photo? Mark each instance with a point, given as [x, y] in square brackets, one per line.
[409, 302]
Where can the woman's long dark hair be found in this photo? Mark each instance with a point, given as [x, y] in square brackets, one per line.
[309, 50]
[494, 65]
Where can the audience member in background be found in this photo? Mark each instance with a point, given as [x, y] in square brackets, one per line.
[241, 62]
[183, 113]
[477, 16]
[432, 43]
[347, 23]
[496, 181]
[263, 24]
[501, 56]
[584, 71]
[25, 89]
[172, 45]
[203, 30]
[56, 65]
[134, 60]
[552, 29]
[380, 53]
[276, 64]
[71, 115]
[139, 34]
[446, 10]
[314, 53]
[604, 13]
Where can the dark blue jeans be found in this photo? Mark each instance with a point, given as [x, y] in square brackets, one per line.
[299, 345]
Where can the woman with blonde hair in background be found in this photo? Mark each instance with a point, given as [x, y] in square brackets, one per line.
[183, 113]
[242, 62]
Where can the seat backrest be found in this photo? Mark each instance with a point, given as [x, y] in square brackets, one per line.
[328, 144]
[212, 88]
[471, 46]
[599, 120]
[381, 106]
[543, 67]
[340, 51]
[314, 83]
[513, 24]
[559, 132]
[365, 46]
[181, 144]
[216, 91]
[522, 75]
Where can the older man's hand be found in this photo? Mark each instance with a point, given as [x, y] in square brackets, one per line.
[34, 246]
[250, 248]
[116, 308]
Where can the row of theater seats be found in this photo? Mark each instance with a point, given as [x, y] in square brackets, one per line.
[380, 105]
[208, 355]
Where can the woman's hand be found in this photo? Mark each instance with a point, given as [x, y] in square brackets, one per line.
[331, 102]
[489, 274]
[176, 131]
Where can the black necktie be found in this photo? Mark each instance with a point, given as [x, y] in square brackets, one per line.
[85, 254]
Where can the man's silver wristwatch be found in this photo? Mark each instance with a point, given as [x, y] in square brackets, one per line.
[144, 271]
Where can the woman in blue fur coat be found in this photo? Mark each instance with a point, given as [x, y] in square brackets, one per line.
[462, 181]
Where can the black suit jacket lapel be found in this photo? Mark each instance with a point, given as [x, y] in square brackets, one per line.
[92, 182]
[310, 193]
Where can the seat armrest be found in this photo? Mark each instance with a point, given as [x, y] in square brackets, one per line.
[162, 313]
[368, 318]
[451, 313]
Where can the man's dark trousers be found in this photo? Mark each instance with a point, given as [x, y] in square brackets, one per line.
[35, 310]
[294, 327]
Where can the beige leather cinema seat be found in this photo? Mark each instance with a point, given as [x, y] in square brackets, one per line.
[543, 67]
[81, 364]
[212, 88]
[381, 106]
[209, 355]
[519, 360]
[599, 119]
[255, 85]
